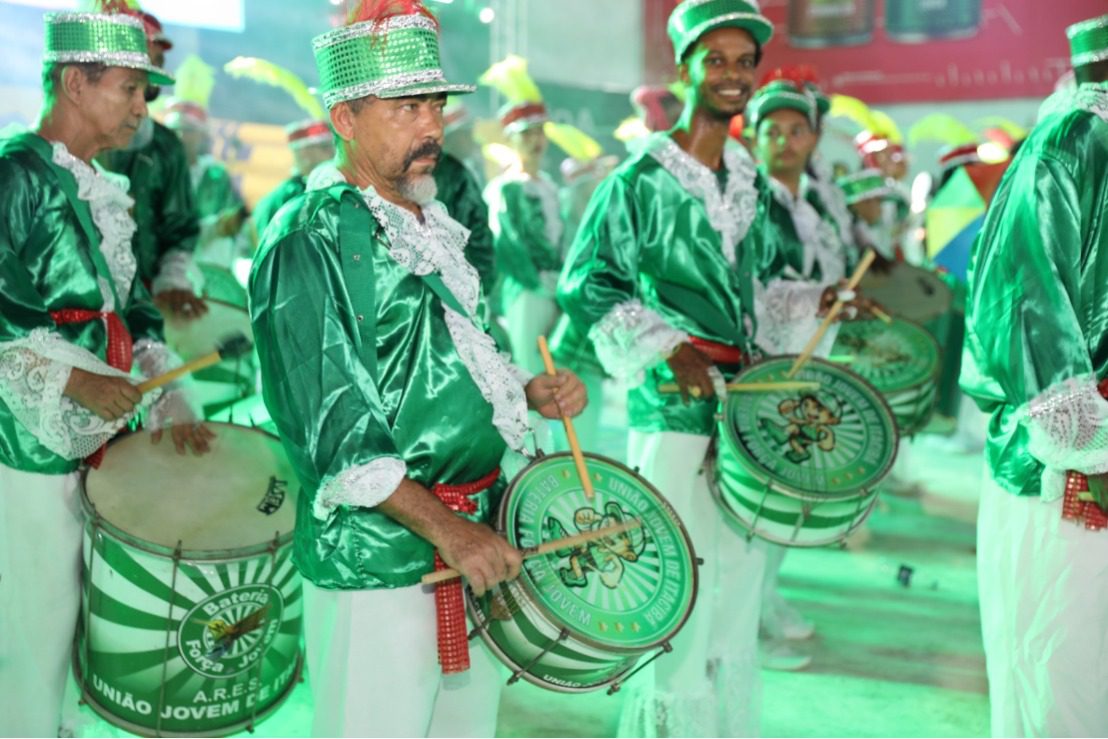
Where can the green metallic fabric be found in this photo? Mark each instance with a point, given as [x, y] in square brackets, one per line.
[214, 190]
[334, 413]
[461, 194]
[643, 230]
[1037, 307]
[164, 211]
[268, 206]
[523, 249]
[47, 263]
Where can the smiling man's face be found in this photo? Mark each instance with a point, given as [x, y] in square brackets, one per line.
[719, 72]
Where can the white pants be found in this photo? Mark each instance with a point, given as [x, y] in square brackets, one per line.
[1043, 585]
[586, 425]
[374, 671]
[710, 684]
[40, 596]
[530, 316]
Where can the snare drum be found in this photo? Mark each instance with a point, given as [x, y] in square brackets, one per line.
[191, 605]
[911, 293]
[902, 360]
[801, 468]
[231, 380]
[580, 618]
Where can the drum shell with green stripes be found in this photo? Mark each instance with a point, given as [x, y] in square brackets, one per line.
[149, 654]
[580, 619]
[773, 472]
[902, 360]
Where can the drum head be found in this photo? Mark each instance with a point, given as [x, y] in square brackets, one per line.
[625, 593]
[892, 357]
[196, 338]
[238, 496]
[825, 444]
[908, 292]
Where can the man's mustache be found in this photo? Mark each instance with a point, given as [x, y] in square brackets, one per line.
[427, 150]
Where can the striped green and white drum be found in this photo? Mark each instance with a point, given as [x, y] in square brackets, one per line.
[191, 605]
[801, 468]
[579, 618]
[902, 360]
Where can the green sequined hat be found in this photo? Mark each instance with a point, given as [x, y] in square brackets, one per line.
[1088, 41]
[692, 19]
[781, 95]
[115, 40]
[391, 58]
[866, 185]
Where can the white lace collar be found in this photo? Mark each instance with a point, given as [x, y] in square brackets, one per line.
[438, 245]
[817, 238]
[730, 212]
[110, 205]
[1094, 99]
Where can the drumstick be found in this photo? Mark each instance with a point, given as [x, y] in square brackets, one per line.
[670, 388]
[232, 346]
[882, 316]
[571, 434]
[832, 314]
[547, 547]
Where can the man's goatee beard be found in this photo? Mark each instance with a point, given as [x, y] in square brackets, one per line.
[420, 189]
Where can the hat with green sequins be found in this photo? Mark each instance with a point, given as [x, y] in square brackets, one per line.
[385, 57]
[1088, 41]
[111, 39]
[865, 185]
[691, 19]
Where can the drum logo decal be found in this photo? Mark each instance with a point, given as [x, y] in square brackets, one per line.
[274, 496]
[229, 632]
[807, 422]
[606, 557]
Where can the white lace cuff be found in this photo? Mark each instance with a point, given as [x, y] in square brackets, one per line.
[33, 374]
[1067, 426]
[786, 313]
[174, 406]
[631, 338]
[365, 486]
[524, 376]
[174, 272]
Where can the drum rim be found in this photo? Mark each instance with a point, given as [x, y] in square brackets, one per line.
[528, 587]
[140, 730]
[95, 521]
[761, 476]
[935, 373]
[931, 274]
[481, 624]
[729, 513]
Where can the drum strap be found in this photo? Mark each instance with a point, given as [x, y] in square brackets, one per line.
[355, 222]
[1074, 508]
[120, 353]
[694, 305]
[450, 609]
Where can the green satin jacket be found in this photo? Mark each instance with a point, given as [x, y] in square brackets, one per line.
[50, 260]
[527, 231]
[165, 211]
[647, 237]
[358, 365]
[1037, 307]
[460, 193]
[268, 206]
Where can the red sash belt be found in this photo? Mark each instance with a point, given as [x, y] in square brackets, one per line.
[450, 609]
[120, 353]
[1084, 511]
[720, 353]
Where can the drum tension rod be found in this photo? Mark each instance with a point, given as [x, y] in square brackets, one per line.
[562, 636]
[615, 687]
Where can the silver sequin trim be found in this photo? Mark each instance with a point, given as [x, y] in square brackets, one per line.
[430, 81]
[373, 28]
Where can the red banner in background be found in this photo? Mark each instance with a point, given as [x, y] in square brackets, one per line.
[902, 51]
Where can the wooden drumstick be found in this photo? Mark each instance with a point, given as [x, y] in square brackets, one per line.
[670, 388]
[832, 314]
[546, 548]
[571, 434]
[231, 347]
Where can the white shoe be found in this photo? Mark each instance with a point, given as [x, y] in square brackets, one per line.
[775, 655]
[781, 621]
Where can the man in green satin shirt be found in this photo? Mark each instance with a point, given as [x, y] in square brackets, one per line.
[391, 399]
[311, 143]
[168, 226]
[663, 272]
[1036, 358]
[74, 317]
